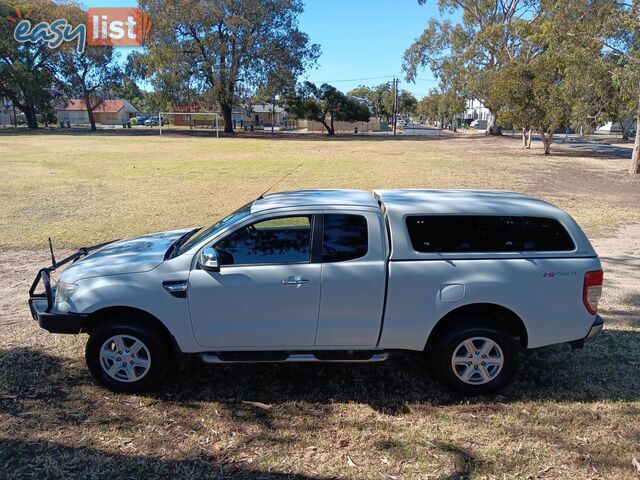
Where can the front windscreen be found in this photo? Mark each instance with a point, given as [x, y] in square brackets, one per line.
[207, 232]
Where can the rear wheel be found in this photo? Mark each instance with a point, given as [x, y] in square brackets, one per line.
[475, 357]
[127, 355]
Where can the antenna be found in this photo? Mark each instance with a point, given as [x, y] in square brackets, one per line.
[53, 258]
[278, 182]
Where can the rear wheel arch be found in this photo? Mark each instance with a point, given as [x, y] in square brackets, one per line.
[502, 316]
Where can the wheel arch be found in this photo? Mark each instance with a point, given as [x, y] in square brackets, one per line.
[104, 315]
[503, 315]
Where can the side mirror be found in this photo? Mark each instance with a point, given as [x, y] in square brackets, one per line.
[209, 260]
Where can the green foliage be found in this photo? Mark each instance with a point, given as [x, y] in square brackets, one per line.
[129, 90]
[440, 106]
[27, 70]
[380, 99]
[466, 56]
[218, 50]
[326, 104]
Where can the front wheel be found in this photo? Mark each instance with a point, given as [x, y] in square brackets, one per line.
[475, 358]
[127, 356]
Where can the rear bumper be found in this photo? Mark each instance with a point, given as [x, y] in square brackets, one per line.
[56, 322]
[596, 328]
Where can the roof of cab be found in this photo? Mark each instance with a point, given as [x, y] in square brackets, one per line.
[315, 198]
[461, 202]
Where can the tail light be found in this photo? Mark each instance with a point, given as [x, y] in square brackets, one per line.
[592, 290]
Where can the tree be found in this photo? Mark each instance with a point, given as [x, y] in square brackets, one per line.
[441, 107]
[325, 104]
[218, 46]
[406, 103]
[533, 97]
[466, 56]
[380, 99]
[26, 69]
[88, 75]
[601, 38]
[128, 90]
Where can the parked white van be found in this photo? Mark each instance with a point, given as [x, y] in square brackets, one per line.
[468, 277]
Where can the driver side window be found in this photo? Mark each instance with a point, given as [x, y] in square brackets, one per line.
[273, 241]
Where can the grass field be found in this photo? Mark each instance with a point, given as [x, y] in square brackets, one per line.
[567, 415]
[80, 189]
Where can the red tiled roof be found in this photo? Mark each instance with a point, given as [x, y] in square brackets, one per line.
[108, 106]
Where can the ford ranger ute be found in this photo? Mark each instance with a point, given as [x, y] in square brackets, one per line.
[467, 277]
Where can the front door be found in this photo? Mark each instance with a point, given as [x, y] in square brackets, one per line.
[267, 292]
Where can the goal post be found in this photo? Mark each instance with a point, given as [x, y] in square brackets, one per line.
[197, 120]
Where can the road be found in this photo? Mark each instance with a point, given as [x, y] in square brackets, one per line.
[422, 130]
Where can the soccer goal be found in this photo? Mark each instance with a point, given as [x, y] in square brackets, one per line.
[189, 121]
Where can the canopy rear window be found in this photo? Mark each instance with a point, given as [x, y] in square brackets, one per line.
[478, 234]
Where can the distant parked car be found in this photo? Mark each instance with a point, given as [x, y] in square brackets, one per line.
[153, 122]
[139, 120]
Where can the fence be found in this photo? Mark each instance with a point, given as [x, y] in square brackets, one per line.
[373, 125]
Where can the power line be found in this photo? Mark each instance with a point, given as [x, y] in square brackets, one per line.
[354, 79]
[369, 78]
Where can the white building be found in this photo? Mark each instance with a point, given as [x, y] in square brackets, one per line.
[6, 112]
[475, 110]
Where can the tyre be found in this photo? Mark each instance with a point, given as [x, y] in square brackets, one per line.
[128, 356]
[474, 357]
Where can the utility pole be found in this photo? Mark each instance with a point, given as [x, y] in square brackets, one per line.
[395, 104]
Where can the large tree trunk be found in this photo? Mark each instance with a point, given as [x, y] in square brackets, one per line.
[634, 168]
[492, 126]
[547, 138]
[92, 119]
[227, 117]
[526, 138]
[331, 131]
[30, 114]
[90, 107]
[626, 128]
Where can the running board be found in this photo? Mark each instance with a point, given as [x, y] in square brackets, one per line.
[323, 357]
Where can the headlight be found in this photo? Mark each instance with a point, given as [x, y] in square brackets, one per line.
[64, 291]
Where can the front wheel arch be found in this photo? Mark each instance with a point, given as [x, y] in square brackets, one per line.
[108, 314]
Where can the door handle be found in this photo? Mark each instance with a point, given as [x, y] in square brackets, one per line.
[295, 281]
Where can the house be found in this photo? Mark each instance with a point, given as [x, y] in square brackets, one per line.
[363, 101]
[109, 112]
[267, 114]
[6, 112]
[475, 110]
[260, 114]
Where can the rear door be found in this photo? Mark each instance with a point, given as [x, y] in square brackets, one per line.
[353, 279]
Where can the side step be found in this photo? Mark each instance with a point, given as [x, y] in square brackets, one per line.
[290, 357]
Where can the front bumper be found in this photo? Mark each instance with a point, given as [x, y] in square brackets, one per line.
[56, 322]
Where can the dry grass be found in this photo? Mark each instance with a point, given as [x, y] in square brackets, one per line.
[80, 189]
[567, 415]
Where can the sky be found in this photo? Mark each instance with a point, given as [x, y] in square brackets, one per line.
[362, 41]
